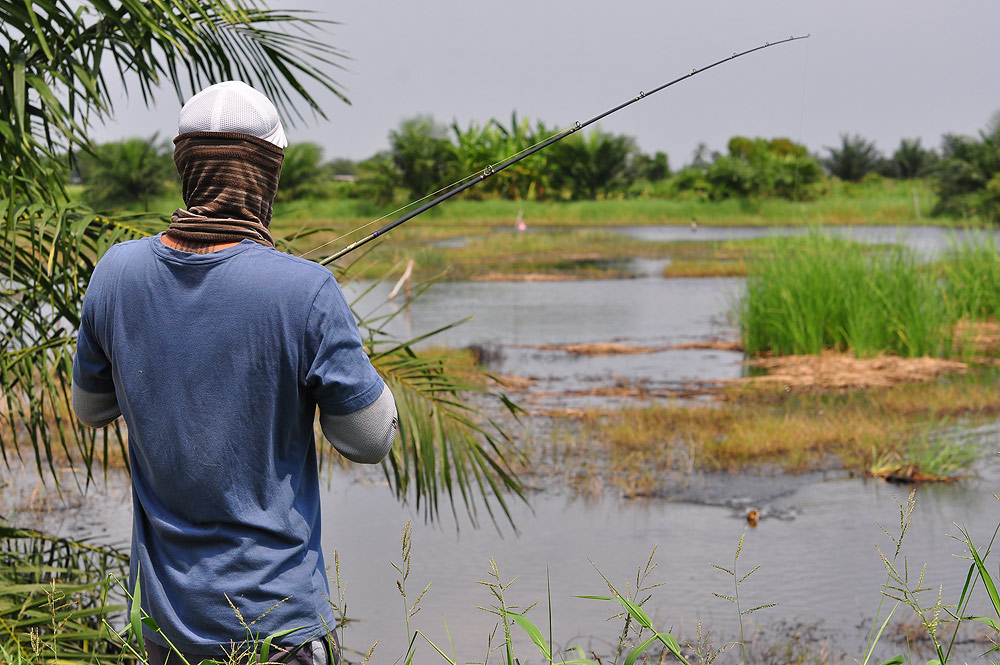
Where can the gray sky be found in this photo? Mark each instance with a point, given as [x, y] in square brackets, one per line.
[883, 69]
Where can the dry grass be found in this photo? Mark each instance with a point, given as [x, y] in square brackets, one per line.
[710, 268]
[796, 429]
[981, 337]
[830, 369]
[617, 348]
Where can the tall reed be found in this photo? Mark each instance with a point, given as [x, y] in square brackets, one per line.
[822, 292]
[971, 275]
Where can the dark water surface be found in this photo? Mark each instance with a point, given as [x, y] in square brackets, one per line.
[509, 318]
[815, 545]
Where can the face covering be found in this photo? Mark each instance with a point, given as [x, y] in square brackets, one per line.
[228, 181]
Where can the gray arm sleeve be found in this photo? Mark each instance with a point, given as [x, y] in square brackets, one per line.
[365, 435]
[95, 409]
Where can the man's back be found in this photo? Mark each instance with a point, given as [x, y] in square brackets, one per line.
[219, 361]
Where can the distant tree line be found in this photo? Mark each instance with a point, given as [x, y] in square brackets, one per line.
[425, 156]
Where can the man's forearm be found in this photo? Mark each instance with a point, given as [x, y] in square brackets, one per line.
[95, 409]
[365, 435]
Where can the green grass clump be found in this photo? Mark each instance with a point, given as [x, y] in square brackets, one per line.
[54, 598]
[822, 292]
[971, 275]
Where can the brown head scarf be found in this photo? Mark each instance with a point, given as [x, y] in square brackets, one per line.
[228, 181]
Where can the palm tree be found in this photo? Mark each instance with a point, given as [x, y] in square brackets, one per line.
[53, 86]
[968, 176]
[126, 171]
[911, 160]
[853, 160]
[422, 153]
[592, 164]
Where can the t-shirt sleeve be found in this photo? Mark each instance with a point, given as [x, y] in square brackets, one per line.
[91, 365]
[338, 373]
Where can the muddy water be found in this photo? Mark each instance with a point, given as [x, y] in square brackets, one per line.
[815, 545]
[511, 318]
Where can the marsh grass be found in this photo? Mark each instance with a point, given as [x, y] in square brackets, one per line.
[970, 274]
[913, 425]
[825, 292]
[829, 293]
[934, 456]
[53, 599]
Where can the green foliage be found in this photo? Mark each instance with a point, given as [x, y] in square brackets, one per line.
[652, 168]
[480, 147]
[378, 178]
[424, 160]
[422, 154]
[301, 175]
[44, 620]
[853, 160]
[755, 168]
[594, 164]
[968, 176]
[129, 171]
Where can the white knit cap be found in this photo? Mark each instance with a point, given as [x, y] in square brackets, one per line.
[232, 106]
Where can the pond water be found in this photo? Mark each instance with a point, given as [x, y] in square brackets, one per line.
[927, 240]
[815, 545]
[511, 318]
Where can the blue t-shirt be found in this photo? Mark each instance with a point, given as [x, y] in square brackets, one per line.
[218, 362]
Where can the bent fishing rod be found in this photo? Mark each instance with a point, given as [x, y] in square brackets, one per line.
[492, 170]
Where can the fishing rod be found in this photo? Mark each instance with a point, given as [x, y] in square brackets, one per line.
[492, 170]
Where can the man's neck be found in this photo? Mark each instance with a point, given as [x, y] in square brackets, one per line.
[194, 246]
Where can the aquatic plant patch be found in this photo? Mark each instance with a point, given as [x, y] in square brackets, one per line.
[773, 425]
[828, 293]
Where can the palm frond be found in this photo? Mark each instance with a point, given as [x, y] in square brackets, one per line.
[448, 447]
[49, 253]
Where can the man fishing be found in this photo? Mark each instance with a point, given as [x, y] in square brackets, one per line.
[216, 349]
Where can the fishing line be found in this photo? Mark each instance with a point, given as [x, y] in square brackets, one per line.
[493, 169]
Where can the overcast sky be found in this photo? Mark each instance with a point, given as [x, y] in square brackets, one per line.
[884, 70]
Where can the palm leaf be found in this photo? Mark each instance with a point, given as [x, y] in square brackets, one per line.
[447, 446]
[54, 81]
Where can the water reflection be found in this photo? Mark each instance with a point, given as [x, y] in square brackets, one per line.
[927, 240]
[510, 318]
[821, 566]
